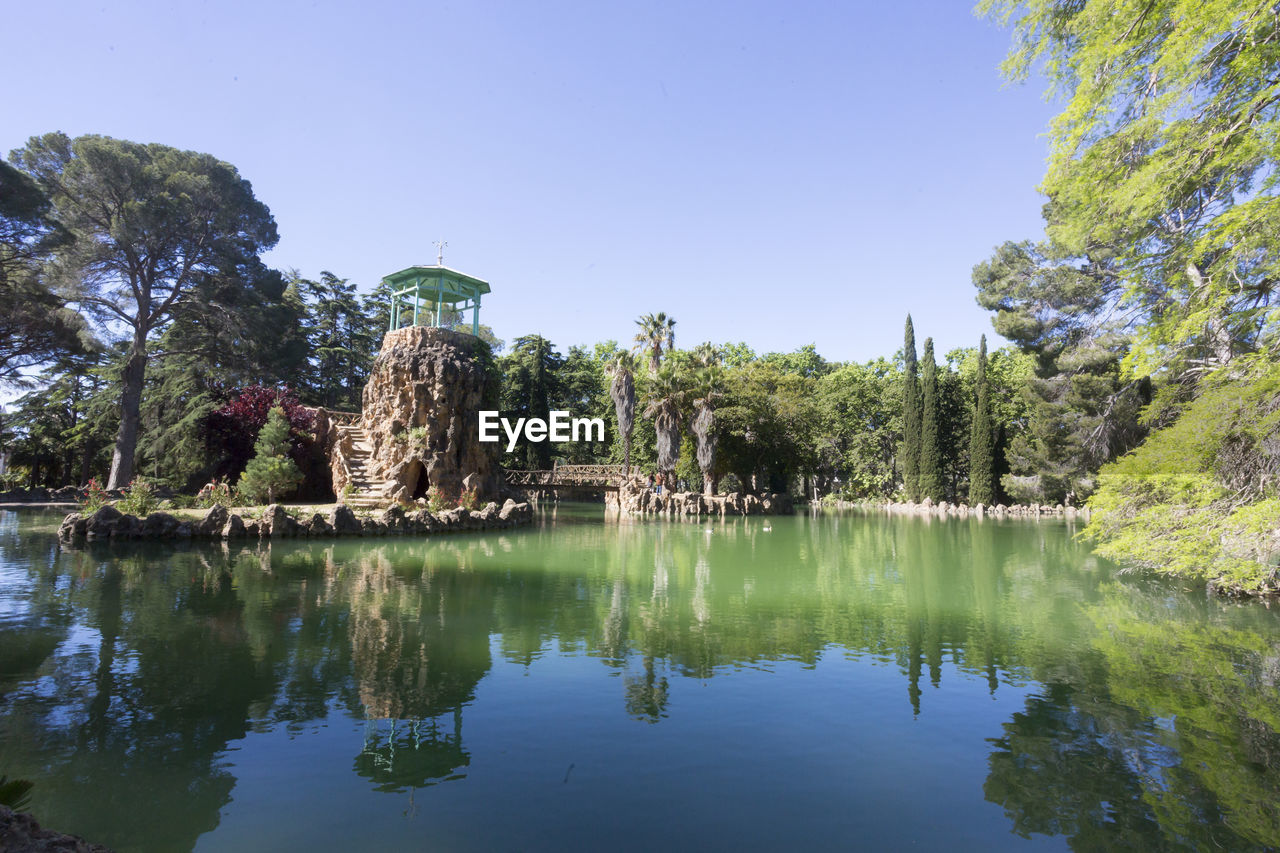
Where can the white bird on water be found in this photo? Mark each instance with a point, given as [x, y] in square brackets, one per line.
[766, 528]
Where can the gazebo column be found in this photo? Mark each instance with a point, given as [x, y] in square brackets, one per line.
[417, 293]
[475, 315]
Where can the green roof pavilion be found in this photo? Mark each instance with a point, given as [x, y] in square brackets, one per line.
[434, 296]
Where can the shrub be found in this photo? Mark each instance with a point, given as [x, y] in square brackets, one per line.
[215, 493]
[95, 497]
[437, 501]
[233, 429]
[139, 499]
[271, 473]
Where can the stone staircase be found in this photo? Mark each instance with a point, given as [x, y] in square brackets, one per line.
[365, 491]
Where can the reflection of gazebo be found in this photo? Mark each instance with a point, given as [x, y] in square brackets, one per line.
[418, 652]
[411, 753]
[434, 296]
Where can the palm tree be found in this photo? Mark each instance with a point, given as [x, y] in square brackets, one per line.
[705, 392]
[621, 368]
[656, 332]
[663, 400]
[707, 354]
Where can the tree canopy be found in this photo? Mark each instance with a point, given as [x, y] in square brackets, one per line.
[150, 225]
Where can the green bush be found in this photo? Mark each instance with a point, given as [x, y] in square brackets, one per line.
[139, 499]
[271, 474]
[1200, 498]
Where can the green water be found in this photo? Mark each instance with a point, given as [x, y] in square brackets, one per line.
[825, 682]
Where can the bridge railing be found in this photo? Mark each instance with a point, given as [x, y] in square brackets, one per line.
[569, 475]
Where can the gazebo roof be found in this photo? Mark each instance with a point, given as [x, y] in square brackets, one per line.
[453, 285]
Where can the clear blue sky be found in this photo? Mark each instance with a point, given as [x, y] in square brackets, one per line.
[779, 173]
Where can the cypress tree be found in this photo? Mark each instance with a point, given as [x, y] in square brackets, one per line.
[270, 473]
[931, 482]
[982, 467]
[910, 416]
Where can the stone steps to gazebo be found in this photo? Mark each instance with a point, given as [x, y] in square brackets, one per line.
[365, 491]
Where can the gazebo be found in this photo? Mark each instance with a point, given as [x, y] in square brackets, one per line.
[434, 296]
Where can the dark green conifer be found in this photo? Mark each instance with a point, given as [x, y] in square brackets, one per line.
[910, 416]
[982, 466]
[931, 482]
[271, 473]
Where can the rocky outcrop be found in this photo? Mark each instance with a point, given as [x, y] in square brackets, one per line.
[276, 522]
[19, 833]
[636, 498]
[419, 426]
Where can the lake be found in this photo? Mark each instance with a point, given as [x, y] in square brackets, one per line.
[824, 681]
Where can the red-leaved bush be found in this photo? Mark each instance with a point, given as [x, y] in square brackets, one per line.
[234, 428]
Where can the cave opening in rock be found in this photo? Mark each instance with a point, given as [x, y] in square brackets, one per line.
[418, 482]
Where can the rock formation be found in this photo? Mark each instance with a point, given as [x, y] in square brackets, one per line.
[419, 425]
[636, 498]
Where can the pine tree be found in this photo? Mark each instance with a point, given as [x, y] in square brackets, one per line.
[931, 481]
[271, 473]
[982, 488]
[910, 416]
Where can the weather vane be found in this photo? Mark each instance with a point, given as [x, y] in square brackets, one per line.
[440, 244]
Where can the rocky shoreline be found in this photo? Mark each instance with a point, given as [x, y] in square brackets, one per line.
[41, 495]
[20, 833]
[635, 498]
[276, 522]
[950, 510]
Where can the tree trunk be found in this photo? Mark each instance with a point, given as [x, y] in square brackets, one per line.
[130, 413]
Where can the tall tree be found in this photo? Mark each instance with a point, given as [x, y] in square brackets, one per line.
[657, 334]
[664, 399]
[1082, 410]
[339, 338]
[1164, 156]
[982, 469]
[35, 324]
[706, 390]
[910, 415]
[532, 383]
[622, 389]
[150, 223]
[931, 480]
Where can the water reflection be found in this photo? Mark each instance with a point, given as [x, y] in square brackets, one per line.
[129, 672]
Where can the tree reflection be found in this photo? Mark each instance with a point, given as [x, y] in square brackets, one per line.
[1167, 735]
[1152, 717]
[419, 648]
